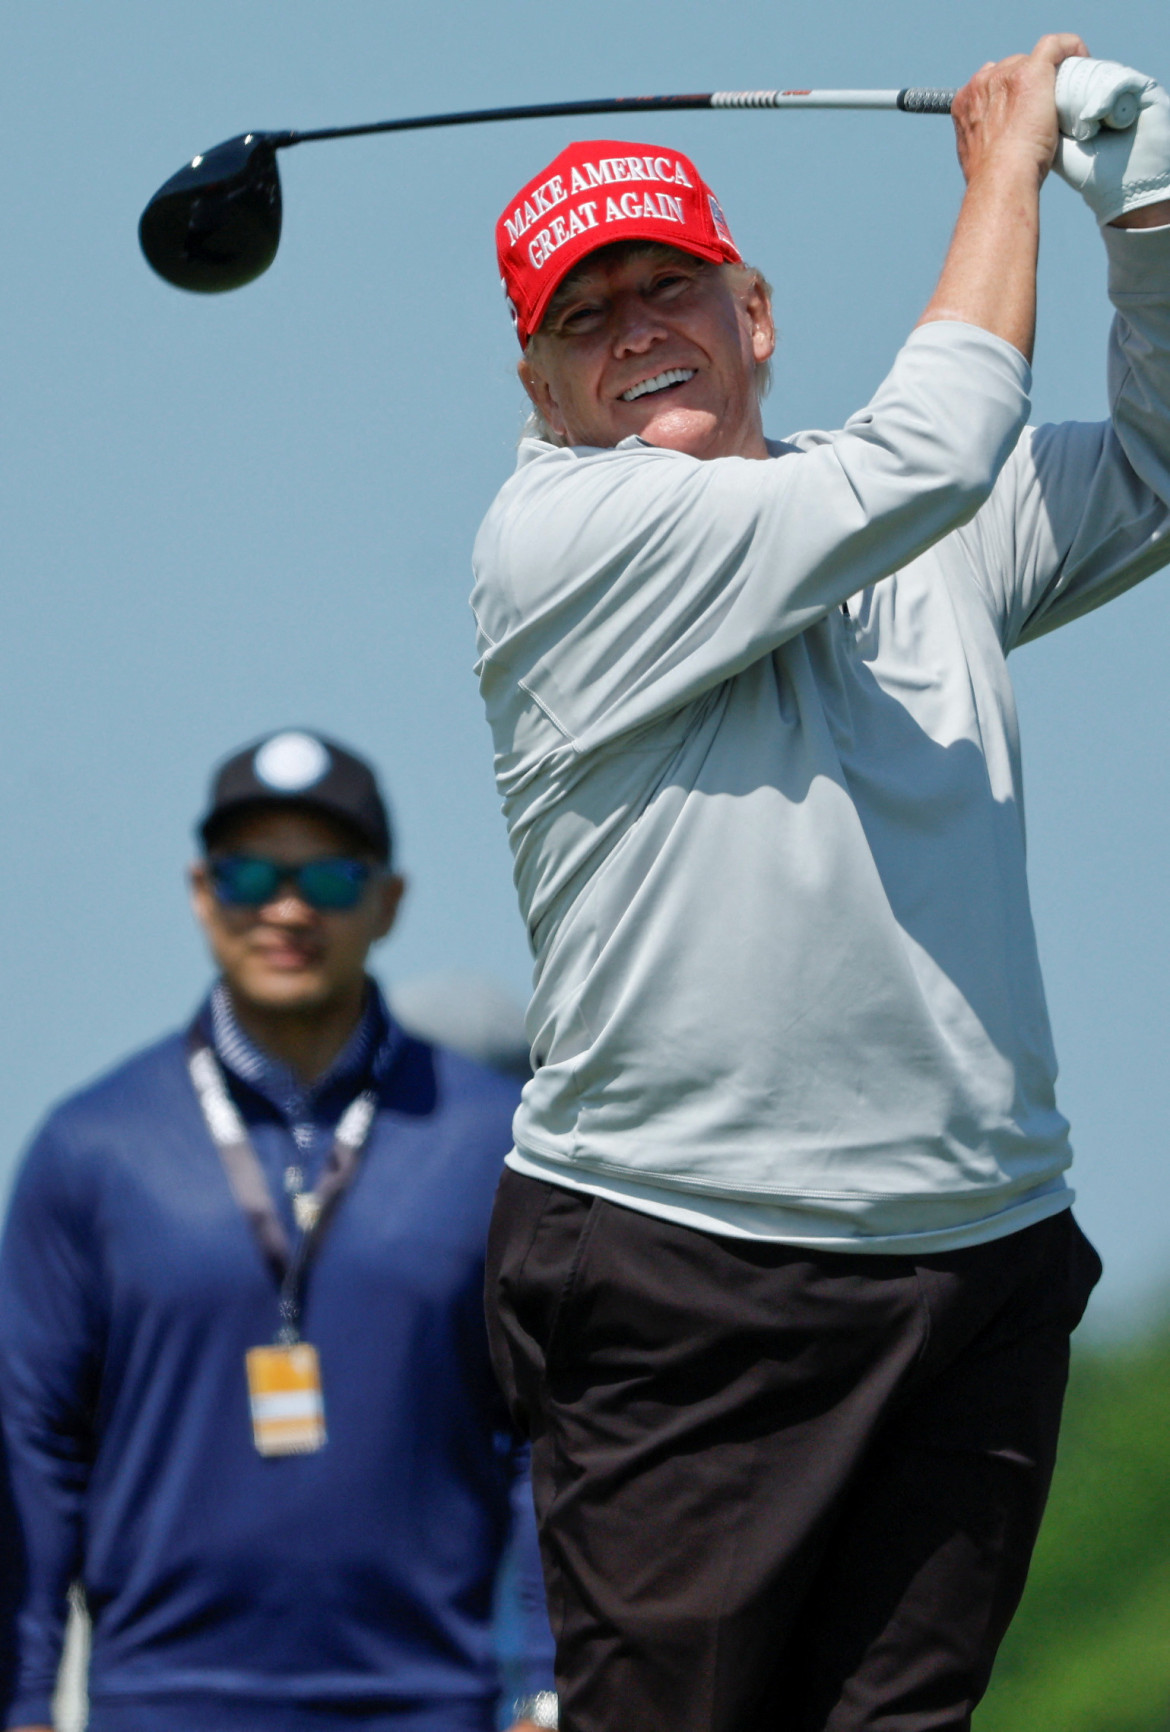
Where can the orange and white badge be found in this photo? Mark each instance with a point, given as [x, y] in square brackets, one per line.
[288, 1414]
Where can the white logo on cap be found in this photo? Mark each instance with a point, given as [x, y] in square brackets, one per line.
[291, 762]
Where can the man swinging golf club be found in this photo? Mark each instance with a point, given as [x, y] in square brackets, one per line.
[782, 1271]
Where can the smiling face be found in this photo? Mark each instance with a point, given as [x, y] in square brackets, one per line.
[646, 340]
[286, 956]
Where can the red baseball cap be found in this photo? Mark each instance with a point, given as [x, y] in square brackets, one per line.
[592, 194]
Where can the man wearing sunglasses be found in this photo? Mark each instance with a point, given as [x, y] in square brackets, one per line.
[243, 1366]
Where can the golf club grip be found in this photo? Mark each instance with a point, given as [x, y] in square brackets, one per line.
[925, 101]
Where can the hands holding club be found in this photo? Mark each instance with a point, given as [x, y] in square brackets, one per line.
[1106, 129]
[1103, 127]
[1011, 121]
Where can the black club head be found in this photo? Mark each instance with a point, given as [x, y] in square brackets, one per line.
[216, 224]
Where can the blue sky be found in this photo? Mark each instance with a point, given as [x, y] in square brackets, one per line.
[227, 514]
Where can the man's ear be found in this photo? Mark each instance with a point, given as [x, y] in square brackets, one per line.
[390, 893]
[540, 393]
[758, 307]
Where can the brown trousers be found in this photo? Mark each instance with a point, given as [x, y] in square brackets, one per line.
[778, 1490]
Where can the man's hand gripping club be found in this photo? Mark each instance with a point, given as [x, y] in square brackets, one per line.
[1016, 119]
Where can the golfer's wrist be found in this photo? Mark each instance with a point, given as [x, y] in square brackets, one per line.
[1006, 175]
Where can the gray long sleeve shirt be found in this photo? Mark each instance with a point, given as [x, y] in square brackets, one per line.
[758, 754]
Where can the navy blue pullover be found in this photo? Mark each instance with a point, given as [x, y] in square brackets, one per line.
[226, 1590]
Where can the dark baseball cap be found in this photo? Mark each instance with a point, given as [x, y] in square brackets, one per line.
[298, 768]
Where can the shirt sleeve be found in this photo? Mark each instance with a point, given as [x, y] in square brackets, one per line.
[614, 586]
[1081, 511]
[49, 1365]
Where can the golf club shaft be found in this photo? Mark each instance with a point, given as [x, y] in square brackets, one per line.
[908, 101]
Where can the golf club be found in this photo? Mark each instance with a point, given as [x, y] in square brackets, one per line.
[216, 224]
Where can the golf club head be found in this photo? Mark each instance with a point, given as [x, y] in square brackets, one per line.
[216, 224]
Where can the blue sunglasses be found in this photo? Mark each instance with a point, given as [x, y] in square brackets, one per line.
[247, 881]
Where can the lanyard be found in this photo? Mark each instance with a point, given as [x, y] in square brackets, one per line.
[249, 1186]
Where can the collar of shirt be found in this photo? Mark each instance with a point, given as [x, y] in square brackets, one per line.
[365, 1057]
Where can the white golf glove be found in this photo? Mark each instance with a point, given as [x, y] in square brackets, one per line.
[1114, 171]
